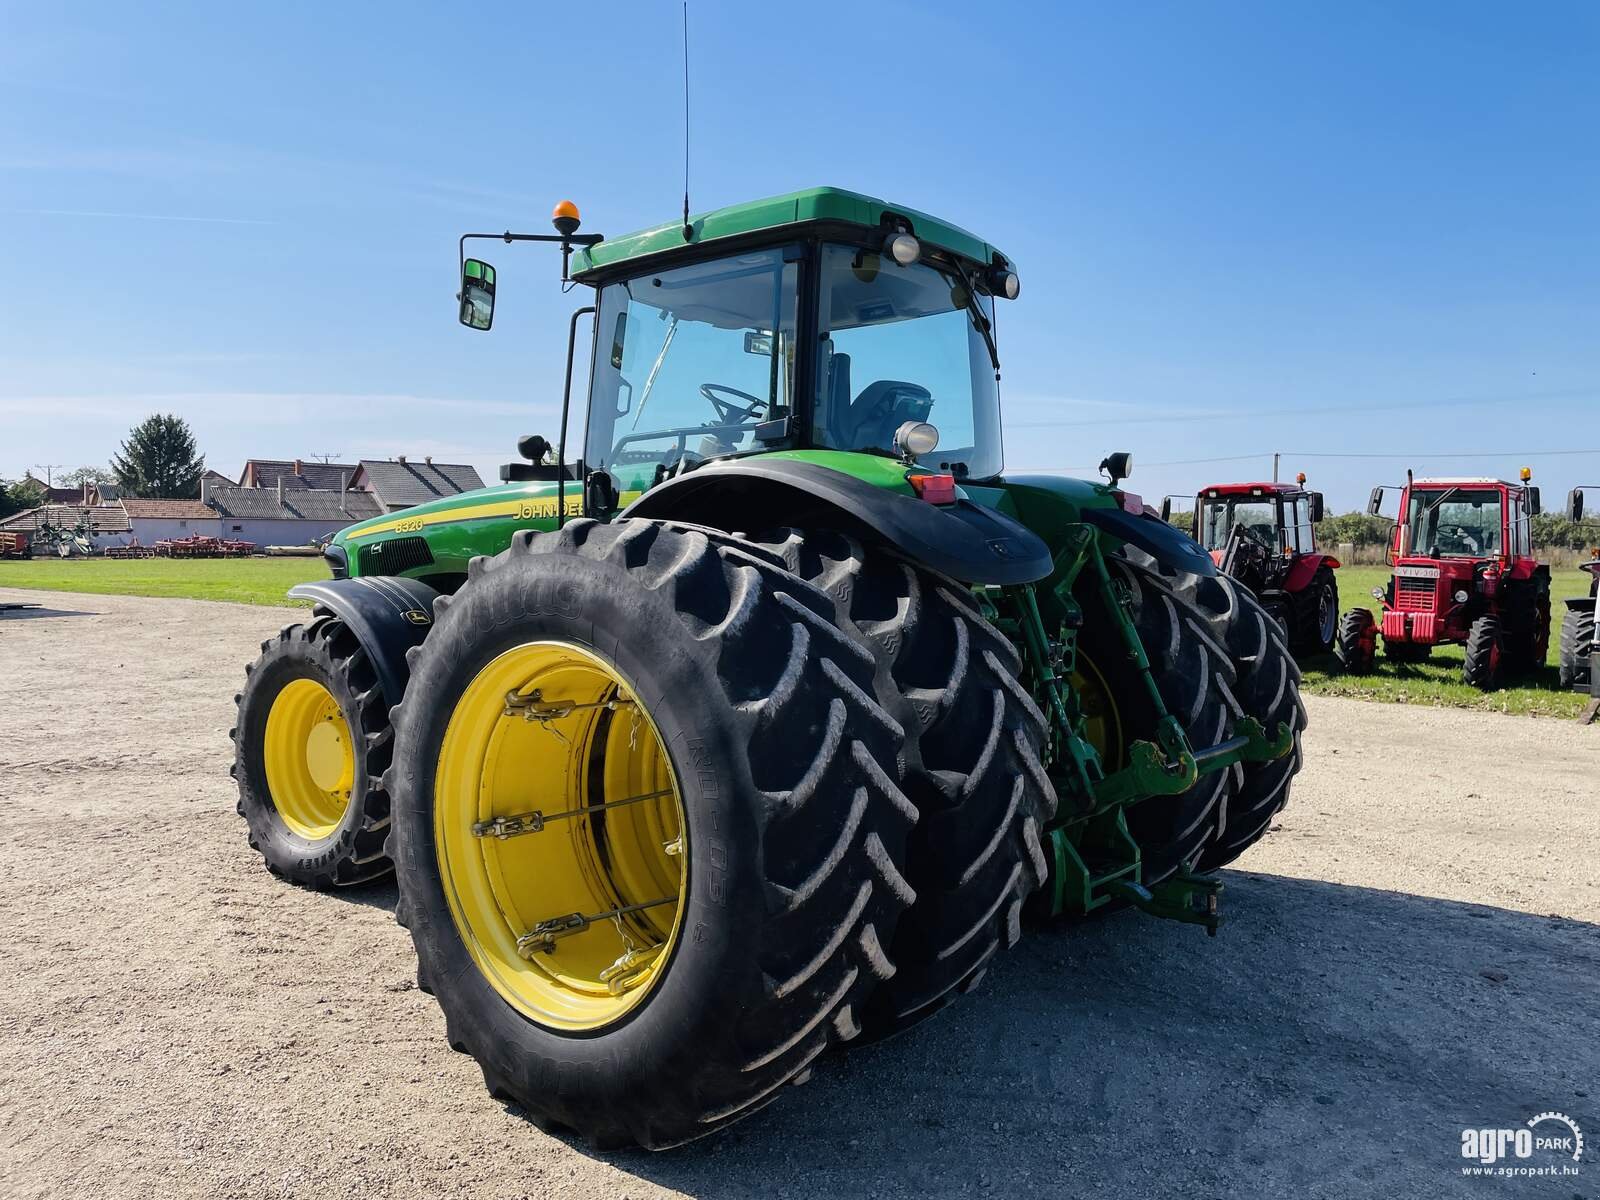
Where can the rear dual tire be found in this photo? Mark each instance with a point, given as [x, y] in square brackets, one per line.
[795, 826]
[972, 758]
[1248, 671]
[1265, 687]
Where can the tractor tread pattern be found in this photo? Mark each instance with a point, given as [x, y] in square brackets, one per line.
[1485, 654]
[829, 812]
[973, 764]
[1577, 644]
[1196, 678]
[1265, 685]
[1307, 619]
[1357, 642]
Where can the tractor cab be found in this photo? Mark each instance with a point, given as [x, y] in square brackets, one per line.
[1464, 573]
[1264, 536]
[874, 338]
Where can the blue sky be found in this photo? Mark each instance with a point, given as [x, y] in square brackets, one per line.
[1354, 229]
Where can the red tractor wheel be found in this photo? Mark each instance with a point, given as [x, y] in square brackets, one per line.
[1485, 654]
[1316, 615]
[1358, 641]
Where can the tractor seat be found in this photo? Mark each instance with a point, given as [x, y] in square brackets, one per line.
[880, 409]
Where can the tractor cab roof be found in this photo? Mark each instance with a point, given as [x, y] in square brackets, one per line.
[1464, 481]
[1225, 490]
[794, 212]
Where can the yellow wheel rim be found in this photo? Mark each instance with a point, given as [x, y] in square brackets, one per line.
[1102, 723]
[310, 759]
[618, 869]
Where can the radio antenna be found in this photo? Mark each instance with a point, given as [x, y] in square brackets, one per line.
[688, 231]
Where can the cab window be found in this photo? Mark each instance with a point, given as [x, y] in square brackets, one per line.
[690, 365]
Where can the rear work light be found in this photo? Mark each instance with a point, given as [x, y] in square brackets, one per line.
[935, 489]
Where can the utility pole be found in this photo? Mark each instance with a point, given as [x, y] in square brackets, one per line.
[1275, 456]
[326, 458]
[47, 468]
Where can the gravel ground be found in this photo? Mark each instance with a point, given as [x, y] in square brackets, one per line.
[1413, 951]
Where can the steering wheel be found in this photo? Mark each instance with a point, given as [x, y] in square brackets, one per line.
[731, 413]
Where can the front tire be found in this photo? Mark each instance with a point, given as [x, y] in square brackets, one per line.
[1358, 641]
[779, 854]
[311, 744]
[1577, 644]
[1485, 662]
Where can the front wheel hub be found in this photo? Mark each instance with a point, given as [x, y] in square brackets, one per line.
[309, 757]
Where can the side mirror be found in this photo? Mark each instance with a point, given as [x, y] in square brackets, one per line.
[477, 294]
[1534, 508]
[1575, 505]
[1375, 501]
[1166, 508]
[1316, 508]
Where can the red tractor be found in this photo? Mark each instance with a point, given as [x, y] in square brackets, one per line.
[1263, 535]
[1464, 574]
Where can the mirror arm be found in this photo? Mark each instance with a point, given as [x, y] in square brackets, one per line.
[566, 407]
[566, 241]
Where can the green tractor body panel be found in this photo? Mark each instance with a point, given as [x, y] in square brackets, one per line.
[440, 537]
[456, 529]
[796, 209]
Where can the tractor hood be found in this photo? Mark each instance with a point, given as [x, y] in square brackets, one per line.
[443, 535]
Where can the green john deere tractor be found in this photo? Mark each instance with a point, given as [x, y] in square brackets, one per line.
[752, 723]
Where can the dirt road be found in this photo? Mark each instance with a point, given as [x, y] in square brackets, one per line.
[1415, 950]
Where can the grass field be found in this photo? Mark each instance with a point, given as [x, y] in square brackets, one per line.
[241, 580]
[1437, 682]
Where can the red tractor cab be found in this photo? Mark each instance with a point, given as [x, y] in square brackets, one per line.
[1463, 574]
[1264, 536]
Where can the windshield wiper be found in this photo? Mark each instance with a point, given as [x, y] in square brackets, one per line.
[975, 311]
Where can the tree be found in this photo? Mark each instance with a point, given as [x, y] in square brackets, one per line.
[159, 460]
[20, 495]
[1357, 528]
[79, 476]
[1183, 519]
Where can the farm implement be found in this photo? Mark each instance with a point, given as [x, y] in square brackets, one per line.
[1463, 573]
[748, 721]
[1264, 536]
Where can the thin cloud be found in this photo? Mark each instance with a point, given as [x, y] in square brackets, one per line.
[257, 407]
[127, 216]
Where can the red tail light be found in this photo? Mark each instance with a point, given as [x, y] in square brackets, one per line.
[935, 489]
